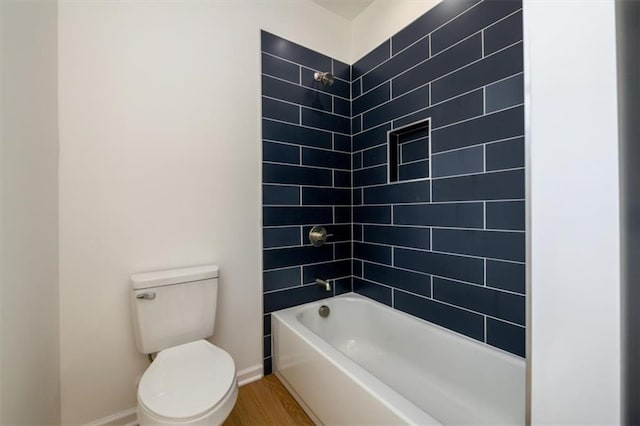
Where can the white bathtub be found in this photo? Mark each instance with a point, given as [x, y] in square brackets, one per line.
[367, 363]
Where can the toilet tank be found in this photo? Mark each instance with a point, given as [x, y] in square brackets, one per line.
[173, 307]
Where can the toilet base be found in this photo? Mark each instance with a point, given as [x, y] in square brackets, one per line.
[213, 417]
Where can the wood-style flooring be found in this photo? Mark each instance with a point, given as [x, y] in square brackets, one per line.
[266, 402]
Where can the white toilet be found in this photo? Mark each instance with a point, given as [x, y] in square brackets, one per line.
[191, 381]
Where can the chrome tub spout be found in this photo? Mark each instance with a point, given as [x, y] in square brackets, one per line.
[323, 283]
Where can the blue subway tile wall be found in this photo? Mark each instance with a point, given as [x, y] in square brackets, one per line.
[449, 249]
[306, 176]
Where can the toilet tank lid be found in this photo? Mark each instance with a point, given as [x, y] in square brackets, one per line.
[173, 276]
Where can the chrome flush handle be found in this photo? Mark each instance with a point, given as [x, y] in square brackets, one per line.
[147, 296]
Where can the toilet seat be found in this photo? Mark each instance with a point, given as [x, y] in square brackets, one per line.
[188, 382]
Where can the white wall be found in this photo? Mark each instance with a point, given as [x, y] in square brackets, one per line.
[160, 167]
[574, 287]
[29, 361]
[381, 20]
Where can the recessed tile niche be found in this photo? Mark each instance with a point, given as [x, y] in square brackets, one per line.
[409, 152]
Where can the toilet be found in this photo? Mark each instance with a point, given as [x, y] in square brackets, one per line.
[190, 381]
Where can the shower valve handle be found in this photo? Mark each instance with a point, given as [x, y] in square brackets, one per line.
[318, 236]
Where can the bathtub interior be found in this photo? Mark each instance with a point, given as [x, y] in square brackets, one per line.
[452, 377]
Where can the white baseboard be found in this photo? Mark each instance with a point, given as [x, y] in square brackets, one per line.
[250, 374]
[129, 417]
[123, 418]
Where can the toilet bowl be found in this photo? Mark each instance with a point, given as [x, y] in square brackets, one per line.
[191, 384]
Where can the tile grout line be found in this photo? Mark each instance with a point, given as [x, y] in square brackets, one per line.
[439, 77]
[417, 41]
[444, 302]
[454, 98]
[426, 274]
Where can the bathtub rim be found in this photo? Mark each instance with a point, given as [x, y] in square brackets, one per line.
[359, 297]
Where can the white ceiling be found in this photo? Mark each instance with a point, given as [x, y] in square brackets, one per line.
[346, 8]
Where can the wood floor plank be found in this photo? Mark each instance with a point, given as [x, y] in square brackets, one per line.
[267, 402]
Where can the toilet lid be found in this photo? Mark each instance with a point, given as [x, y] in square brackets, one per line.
[187, 380]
